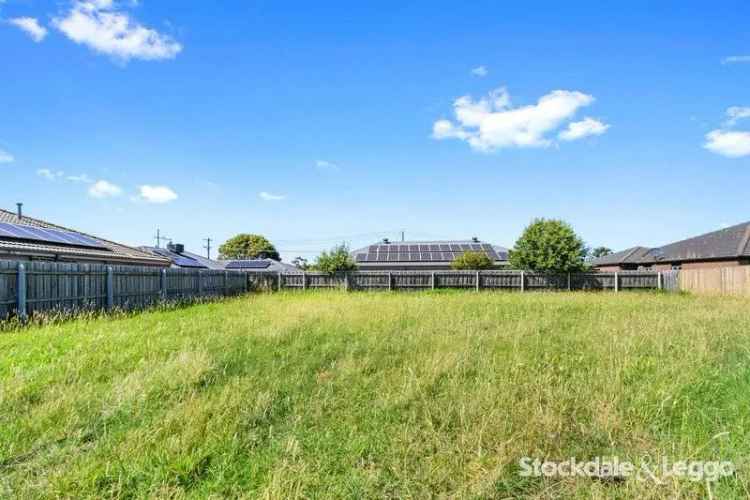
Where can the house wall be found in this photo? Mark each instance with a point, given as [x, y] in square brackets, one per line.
[705, 264]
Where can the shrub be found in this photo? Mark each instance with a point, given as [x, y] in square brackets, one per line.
[337, 260]
[472, 261]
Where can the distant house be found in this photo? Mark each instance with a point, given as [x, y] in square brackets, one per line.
[260, 265]
[423, 255]
[24, 238]
[181, 259]
[723, 248]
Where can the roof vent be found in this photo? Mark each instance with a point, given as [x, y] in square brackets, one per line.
[386, 241]
[475, 239]
[20, 210]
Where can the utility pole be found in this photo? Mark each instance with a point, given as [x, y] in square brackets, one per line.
[207, 246]
[159, 238]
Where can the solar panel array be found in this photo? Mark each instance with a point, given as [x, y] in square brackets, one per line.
[179, 260]
[428, 252]
[44, 235]
[248, 264]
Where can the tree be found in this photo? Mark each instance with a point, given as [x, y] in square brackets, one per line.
[248, 246]
[599, 252]
[549, 246]
[472, 261]
[337, 260]
[301, 263]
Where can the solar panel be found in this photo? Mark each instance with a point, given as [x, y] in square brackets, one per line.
[475, 247]
[21, 232]
[414, 248]
[403, 257]
[361, 257]
[248, 264]
[445, 248]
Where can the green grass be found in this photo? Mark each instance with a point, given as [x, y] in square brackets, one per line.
[332, 395]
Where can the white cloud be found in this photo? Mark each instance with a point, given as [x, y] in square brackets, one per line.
[99, 25]
[735, 114]
[82, 179]
[491, 123]
[31, 26]
[103, 189]
[735, 59]
[480, 71]
[6, 157]
[48, 174]
[732, 144]
[326, 165]
[584, 128]
[156, 194]
[271, 197]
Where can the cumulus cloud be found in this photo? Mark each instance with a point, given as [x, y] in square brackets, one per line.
[6, 157]
[735, 59]
[480, 71]
[584, 128]
[31, 27]
[104, 189]
[99, 25]
[732, 144]
[271, 197]
[491, 123]
[156, 194]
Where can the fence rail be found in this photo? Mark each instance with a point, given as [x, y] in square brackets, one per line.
[28, 288]
[476, 280]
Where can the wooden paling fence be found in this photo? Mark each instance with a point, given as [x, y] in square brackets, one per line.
[477, 280]
[724, 280]
[29, 288]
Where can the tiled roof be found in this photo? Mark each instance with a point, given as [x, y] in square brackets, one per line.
[732, 242]
[633, 255]
[729, 243]
[115, 252]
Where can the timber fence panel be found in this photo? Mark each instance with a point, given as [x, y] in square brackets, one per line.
[8, 290]
[727, 280]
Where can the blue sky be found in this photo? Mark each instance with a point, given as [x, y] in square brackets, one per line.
[313, 123]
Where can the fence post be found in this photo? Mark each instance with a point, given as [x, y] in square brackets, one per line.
[163, 284]
[569, 282]
[523, 281]
[200, 283]
[110, 288]
[659, 284]
[477, 281]
[21, 309]
[432, 280]
[346, 281]
[278, 276]
[304, 280]
[390, 281]
[617, 282]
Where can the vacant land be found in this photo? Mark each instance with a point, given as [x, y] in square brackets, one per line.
[377, 395]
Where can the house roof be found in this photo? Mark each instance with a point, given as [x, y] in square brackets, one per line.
[632, 255]
[425, 252]
[184, 259]
[109, 251]
[729, 243]
[259, 265]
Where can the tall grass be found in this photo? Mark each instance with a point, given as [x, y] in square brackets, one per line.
[376, 395]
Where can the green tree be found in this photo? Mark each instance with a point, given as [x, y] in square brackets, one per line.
[335, 261]
[248, 246]
[472, 261]
[549, 246]
[599, 252]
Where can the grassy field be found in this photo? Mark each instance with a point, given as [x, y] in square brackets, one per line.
[359, 395]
